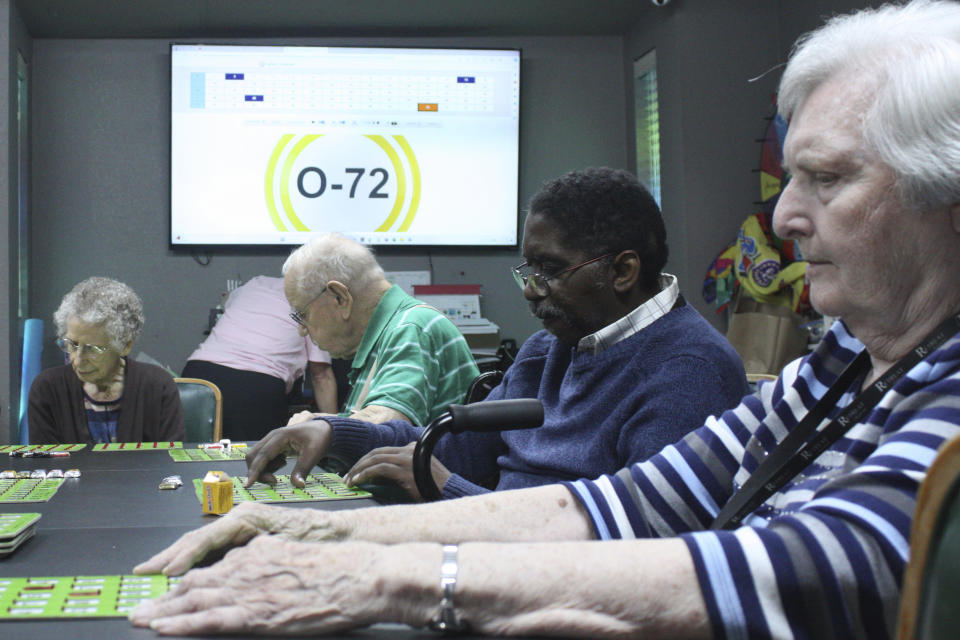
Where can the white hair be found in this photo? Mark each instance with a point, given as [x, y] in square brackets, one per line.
[910, 56]
[104, 302]
[332, 256]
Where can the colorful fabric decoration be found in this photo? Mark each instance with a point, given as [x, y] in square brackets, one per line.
[768, 268]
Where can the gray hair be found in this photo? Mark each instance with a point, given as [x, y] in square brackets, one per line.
[911, 56]
[332, 256]
[105, 302]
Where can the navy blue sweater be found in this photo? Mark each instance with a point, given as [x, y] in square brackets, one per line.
[602, 412]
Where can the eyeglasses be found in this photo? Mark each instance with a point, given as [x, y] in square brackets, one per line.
[297, 314]
[541, 283]
[69, 346]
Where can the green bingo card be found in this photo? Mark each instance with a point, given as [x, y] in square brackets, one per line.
[78, 596]
[15, 529]
[207, 455]
[136, 446]
[28, 489]
[319, 486]
[13, 524]
[23, 448]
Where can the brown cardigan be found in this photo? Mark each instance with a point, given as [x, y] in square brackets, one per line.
[149, 412]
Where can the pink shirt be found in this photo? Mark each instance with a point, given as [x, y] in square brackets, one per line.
[256, 333]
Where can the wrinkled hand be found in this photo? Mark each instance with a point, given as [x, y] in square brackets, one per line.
[396, 465]
[275, 586]
[235, 529]
[308, 441]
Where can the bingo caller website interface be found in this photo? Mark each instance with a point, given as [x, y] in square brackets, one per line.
[270, 145]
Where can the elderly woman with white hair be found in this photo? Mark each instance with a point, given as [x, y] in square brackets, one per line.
[101, 396]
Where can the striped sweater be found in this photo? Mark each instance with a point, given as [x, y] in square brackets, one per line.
[823, 557]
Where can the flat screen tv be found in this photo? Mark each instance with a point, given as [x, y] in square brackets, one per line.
[390, 146]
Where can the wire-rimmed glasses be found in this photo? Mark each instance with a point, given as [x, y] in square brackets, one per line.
[541, 283]
[297, 314]
[70, 347]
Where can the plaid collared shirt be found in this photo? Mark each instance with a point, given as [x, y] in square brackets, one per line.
[643, 316]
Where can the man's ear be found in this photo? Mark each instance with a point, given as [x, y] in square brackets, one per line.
[626, 271]
[341, 298]
[955, 217]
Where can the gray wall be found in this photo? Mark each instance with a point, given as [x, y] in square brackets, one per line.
[710, 119]
[797, 18]
[100, 176]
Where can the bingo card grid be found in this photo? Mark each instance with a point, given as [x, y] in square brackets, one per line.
[207, 455]
[15, 529]
[28, 489]
[12, 524]
[137, 446]
[78, 596]
[319, 487]
[24, 448]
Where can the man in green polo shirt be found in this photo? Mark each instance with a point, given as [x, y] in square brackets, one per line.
[409, 362]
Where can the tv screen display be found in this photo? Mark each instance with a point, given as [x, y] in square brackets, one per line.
[390, 146]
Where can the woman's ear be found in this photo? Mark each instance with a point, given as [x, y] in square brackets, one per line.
[127, 349]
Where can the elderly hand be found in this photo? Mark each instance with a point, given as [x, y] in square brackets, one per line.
[282, 587]
[244, 521]
[394, 464]
[308, 441]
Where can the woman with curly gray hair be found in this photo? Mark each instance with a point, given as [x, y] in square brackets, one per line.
[101, 396]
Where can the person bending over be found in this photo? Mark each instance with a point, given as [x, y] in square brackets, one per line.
[254, 354]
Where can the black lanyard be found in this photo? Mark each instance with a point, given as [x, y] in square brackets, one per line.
[798, 449]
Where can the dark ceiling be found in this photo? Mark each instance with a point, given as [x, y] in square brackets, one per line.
[313, 18]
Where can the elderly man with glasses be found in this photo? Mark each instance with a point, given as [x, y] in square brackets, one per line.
[623, 367]
[408, 361]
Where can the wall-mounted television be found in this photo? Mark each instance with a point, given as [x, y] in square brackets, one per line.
[390, 146]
